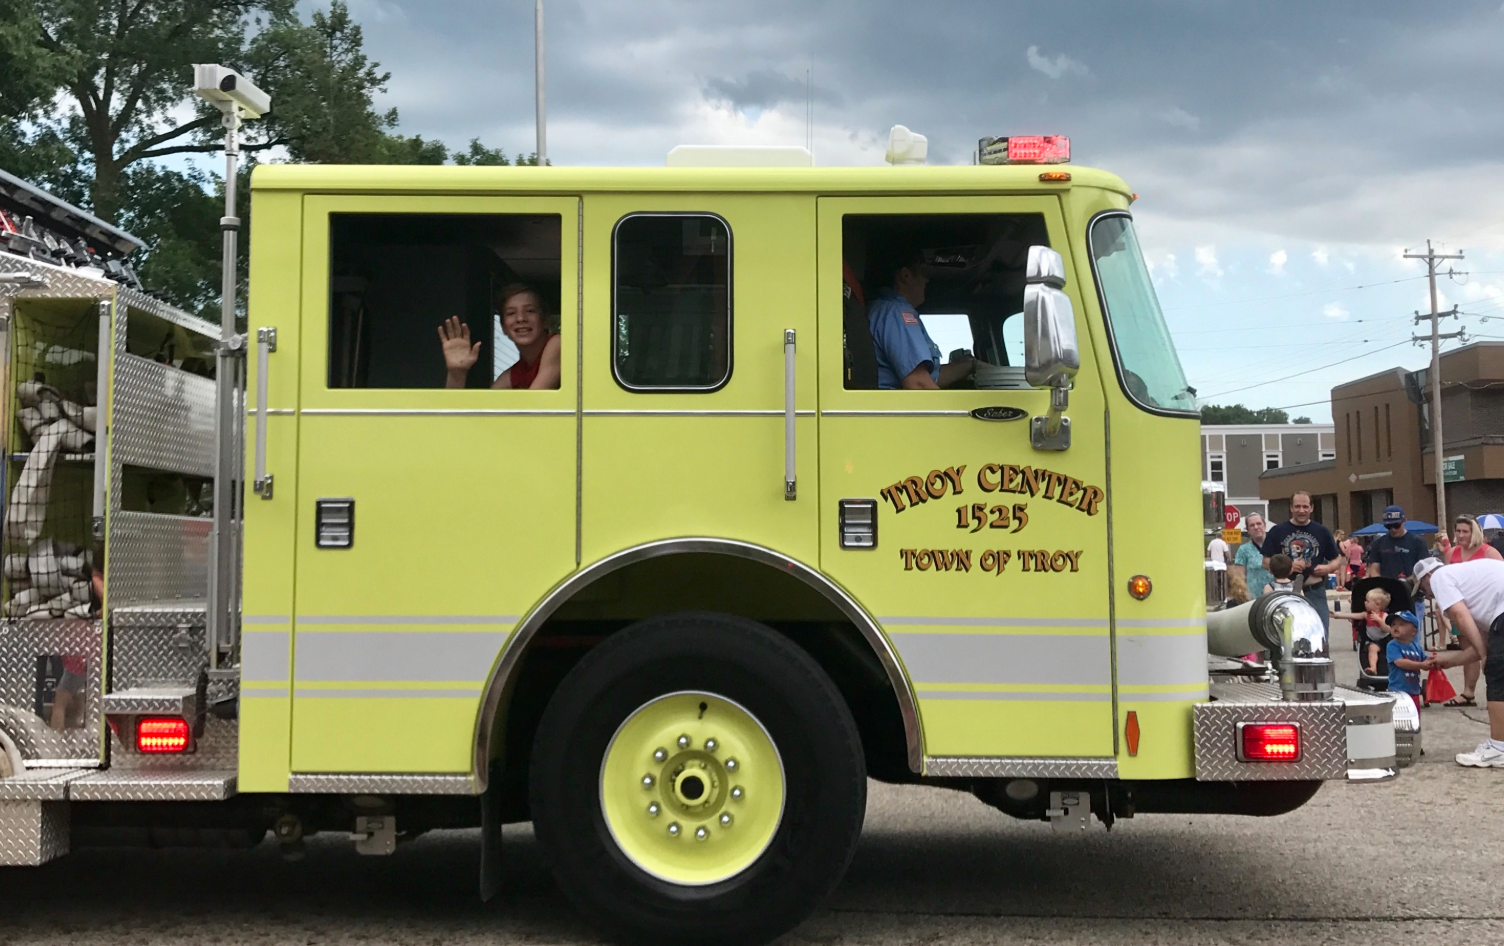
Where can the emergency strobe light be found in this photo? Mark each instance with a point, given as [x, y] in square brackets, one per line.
[1025, 149]
[162, 734]
[1269, 742]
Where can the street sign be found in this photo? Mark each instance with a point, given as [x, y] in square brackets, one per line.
[1231, 517]
[1232, 536]
[1453, 469]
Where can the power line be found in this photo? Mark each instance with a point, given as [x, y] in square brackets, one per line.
[1403, 341]
[1291, 295]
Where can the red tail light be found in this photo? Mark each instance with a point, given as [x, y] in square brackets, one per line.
[164, 734]
[1269, 742]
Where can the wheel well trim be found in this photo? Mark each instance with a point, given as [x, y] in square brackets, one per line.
[517, 643]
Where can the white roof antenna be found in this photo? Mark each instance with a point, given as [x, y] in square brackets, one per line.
[906, 147]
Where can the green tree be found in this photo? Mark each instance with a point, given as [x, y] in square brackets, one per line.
[1238, 414]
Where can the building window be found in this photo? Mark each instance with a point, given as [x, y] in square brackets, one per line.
[1216, 467]
[1327, 455]
[1272, 461]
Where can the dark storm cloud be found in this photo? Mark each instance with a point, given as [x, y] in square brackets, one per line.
[1329, 120]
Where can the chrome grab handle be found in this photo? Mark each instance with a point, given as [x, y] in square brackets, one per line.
[101, 414]
[266, 343]
[790, 491]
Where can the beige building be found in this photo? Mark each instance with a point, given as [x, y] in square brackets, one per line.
[1383, 445]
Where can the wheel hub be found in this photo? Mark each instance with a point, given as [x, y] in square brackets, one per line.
[692, 788]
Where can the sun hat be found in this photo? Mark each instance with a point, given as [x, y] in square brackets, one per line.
[1425, 567]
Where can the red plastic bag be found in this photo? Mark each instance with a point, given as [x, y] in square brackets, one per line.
[1438, 688]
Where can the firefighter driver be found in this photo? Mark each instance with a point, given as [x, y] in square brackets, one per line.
[906, 356]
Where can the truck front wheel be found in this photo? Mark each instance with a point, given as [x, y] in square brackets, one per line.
[697, 778]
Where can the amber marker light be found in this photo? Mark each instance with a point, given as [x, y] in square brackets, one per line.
[1055, 177]
[162, 734]
[1139, 587]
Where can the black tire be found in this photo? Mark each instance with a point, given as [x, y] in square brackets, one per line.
[803, 712]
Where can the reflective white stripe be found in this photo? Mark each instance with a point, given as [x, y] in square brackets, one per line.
[1049, 695]
[1161, 622]
[420, 619]
[437, 412]
[1195, 695]
[264, 619]
[387, 693]
[991, 622]
[265, 655]
[1373, 741]
[1045, 659]
[1161, 659]
[270, 693]
[412, 656]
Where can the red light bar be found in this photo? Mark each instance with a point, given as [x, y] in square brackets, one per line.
[162, 734]
[1269, 742]
[1039, 149]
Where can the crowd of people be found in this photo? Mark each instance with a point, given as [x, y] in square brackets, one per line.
[1461, 573]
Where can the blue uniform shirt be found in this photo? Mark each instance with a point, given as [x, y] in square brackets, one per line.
[1403, 681]
[899, 340]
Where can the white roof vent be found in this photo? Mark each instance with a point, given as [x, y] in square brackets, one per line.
[906, 147]
[739, 156]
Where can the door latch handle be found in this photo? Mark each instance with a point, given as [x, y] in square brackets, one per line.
[790, 487]
[266, 343]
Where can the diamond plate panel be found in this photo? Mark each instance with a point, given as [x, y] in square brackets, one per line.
[152, 701]
[356, 784]
[32, 832]
[161, 417]
[1323, 729]
[217, 748]
[22, 642]
[133, 299]
[117, 785]
[156, 559]
[1002, 767]
[39, 784]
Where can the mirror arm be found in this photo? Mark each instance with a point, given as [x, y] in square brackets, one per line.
[1060, 399]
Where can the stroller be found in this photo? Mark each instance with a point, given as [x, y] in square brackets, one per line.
[1399, 600]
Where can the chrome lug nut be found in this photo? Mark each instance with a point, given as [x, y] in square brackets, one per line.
[731, 765]
[647, 781]
[673, 829]
[653, 809]
[725, 819]
[737, 793]
[710, 745]
[701, 834]
[660, 755]
[684, 742]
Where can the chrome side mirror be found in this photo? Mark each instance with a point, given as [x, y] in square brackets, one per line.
[1051, 354]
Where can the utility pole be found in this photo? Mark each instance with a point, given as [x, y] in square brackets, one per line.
[542, 145]
[1432, 258]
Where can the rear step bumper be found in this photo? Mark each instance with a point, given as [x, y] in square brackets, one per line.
[1352, 737]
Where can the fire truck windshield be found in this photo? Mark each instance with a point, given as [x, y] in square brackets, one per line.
[1146, 358]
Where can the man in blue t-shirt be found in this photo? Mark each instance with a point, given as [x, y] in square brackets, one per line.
[1311, 548]
[1394, 554]
[906, 355]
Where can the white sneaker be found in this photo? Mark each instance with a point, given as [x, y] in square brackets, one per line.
[1483, 757]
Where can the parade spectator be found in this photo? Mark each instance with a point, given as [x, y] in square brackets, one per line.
[1250, 556]
[1218, 552]
[1355, 552]
[1375, 626]
[1280, 568]
[1311, 548]
[1345, 546]
[1394, 554]
[1237, 588]
[1468, 546]
[1471, 595]
[1406, 657]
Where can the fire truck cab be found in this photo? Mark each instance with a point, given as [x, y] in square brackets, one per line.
[661, 507]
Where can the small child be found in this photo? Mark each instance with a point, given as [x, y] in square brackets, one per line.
[1281, 566]
[1376, 632]
[1405, 656]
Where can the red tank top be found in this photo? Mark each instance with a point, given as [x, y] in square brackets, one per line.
[1478, 553]
[522, 374]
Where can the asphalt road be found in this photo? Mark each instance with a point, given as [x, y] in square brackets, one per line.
[1414, 861]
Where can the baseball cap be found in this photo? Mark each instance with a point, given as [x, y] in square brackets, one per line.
[1406, 616]
[1393, 514]
[1425, 567]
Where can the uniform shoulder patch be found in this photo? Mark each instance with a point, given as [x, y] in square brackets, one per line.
[909, 318]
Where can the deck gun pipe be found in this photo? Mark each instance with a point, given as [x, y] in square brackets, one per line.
[1289, 628]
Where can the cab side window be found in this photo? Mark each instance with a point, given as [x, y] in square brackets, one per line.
[443, 300]
[937, 297]
[671, 302]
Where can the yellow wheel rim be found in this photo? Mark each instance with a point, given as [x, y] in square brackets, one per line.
[692, 788]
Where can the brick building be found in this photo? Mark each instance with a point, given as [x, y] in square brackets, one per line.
[1235, 454]
[1383, 445]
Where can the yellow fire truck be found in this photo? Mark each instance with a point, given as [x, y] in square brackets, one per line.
[673, 602]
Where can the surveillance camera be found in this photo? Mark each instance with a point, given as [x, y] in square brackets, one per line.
[227, 89]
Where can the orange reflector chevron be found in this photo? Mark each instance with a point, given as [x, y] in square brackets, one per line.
[1130, 732]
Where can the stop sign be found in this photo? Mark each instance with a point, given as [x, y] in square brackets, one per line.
[1231, 517]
